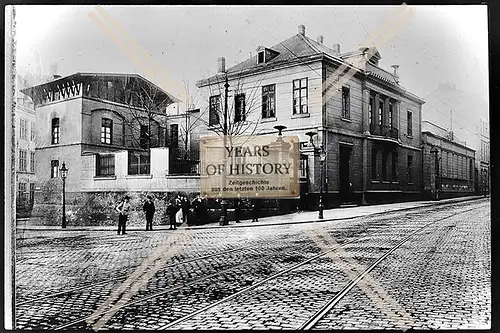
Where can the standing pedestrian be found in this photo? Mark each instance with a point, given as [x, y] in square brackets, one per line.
[171, 211]
[238, 206]
[185, 205]
[178, 215]
[123, 209]
[149, 210]
[255, 210]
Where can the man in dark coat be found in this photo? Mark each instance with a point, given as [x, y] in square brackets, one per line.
[255, 210]
[149, 210]
[185, 205]
[172, 209]
[238, 206]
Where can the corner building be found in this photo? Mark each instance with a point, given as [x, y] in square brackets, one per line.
[368, 124]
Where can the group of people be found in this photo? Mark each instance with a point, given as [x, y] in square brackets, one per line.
[177, 211]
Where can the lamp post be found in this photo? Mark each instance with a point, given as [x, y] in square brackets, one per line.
[64, 174]
[437, 183]
[280, 128]
[322, 156]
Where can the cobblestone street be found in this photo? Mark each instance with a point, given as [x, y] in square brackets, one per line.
[425, 267]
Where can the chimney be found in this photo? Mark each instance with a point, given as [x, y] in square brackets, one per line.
[320, 39]
[336, 48]
[302, 30]
[221, 65]
[395, 73]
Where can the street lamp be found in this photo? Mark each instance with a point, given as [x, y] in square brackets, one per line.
[64, 174]
[280, 128]
[437, 183]
[322, 157]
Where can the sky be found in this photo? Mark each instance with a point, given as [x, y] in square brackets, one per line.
[438, 44]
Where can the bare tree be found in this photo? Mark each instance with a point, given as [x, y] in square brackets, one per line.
[146, 120]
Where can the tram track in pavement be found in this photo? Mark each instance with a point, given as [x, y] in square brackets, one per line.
[164, 292]
[219, 261]
[326, 308]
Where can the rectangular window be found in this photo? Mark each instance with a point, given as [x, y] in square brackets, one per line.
[144, 137]
[138, 163]
[174, 136]
[214, 110]
[106, 130]
[32, 192]
[55, 131]
[105, 165]
[346, 104]
[384, 166]
[370, 110]
[374, 164]
[23, 159]
[54, 169]
[23, 129]
[33, 131]
[471, 169]
[389, 115]
[394, 166]
[260, 57]
[21, 190]
[268, 101]
[304, 162]
[32, 161]
[410, 169]
[381, 112]
[300, 96]
[239, 108]
[409, 119]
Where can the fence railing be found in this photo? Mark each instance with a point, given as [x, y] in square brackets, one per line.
[384, 130]
[183, 162]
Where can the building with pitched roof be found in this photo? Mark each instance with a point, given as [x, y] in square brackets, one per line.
[368, 124]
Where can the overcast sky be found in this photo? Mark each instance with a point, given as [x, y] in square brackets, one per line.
[438, 44]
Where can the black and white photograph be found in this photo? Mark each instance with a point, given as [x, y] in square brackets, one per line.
[257, 167]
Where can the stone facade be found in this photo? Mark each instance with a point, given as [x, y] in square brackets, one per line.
[454, 174]
[338, 110]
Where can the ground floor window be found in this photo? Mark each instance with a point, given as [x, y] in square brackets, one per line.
[105, 165]
[138, 163]
[410, 169]
[32, 192]
[374, 164]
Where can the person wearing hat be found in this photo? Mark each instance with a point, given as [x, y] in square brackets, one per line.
[149, 210]
[123, 209]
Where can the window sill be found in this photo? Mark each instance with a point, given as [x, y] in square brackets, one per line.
[386, 182]
[409, 183]
[268, 120]
[111, 177]
[409, 136]
[375, 181]
[346, 119]
[149, 176]
[301, 115]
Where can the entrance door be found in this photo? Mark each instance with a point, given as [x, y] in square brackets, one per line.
[344, 166]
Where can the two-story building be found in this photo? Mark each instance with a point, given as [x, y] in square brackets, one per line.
[448, 163]
[368, 124]
[111, 131]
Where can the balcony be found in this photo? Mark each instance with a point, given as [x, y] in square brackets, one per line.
[384, 130]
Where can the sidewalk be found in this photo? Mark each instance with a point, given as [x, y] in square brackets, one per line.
[334, 213]
[294, 218]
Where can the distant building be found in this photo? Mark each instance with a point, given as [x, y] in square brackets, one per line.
[448, 164]
[464, 115]
[25, 152]
[366, 121]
